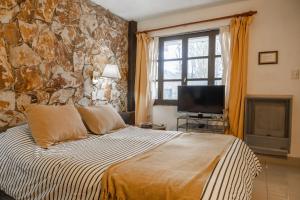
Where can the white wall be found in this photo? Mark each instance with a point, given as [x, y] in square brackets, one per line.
[275, 27]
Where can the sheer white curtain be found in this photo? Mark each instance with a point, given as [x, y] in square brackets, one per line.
[153, 71]
[225, 48]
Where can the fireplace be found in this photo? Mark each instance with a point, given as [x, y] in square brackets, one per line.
[268, 124]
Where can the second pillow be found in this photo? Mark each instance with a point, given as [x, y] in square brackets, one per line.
[101, 119]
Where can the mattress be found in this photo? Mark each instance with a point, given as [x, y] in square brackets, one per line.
[73, 170]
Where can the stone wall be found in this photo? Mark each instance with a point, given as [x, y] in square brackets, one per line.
[49, 50]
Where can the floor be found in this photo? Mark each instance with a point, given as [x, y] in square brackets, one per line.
[280, 179]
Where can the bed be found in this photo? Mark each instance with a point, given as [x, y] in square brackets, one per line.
[73, 170]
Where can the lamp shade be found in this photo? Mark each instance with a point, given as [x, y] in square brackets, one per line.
[111, 71]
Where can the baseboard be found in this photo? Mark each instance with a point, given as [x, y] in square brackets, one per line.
[281, 160]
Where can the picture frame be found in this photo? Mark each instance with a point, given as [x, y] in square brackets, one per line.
[267, 57]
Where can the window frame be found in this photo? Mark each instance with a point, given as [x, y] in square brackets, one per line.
[184, 58]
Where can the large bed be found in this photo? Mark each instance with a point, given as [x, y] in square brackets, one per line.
[73, 170]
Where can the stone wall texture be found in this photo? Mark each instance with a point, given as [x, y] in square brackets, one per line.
[49, 51]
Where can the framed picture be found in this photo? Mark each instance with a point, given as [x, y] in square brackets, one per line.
[268, 57]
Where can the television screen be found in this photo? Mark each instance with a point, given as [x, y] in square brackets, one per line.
[201, 99]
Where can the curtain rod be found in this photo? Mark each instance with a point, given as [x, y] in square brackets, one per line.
[249, 13]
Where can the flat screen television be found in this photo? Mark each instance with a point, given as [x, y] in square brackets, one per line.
[201, 99]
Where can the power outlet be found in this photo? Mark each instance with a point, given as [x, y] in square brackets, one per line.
[295, 75]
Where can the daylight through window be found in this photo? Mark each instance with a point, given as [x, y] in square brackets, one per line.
[191, 59]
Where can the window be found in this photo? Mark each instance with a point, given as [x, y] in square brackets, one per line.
[192, 59]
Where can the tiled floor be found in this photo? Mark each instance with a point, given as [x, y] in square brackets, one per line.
[280, 180]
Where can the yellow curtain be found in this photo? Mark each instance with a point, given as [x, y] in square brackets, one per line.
[239, 30]
[142, 85]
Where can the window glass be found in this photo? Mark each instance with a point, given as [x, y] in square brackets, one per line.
[197, 82]
[154, 90]
[218, 45]
[171, 89]
[218, 67]
[197, 68]
[187, 60]
[218, 82]
[198, 46]
[155, 71]
[172, 69]
[173, 49]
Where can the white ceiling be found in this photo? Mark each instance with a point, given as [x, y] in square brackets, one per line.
[142, 9]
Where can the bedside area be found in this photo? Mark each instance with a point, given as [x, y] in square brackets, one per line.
[128, 117]
[152, 126]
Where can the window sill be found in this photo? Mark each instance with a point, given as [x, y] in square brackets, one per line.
[161, 102]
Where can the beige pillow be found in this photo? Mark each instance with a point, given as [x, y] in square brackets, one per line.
[53, 124]
[101, 119]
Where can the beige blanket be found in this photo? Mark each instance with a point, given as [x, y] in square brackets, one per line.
[177, 169]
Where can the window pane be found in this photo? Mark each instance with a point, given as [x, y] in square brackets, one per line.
[173, 49]
[218, 68]
[154, 71]
[171, 89]
[198, 68]
[172, 69]
[154, 90]
[218, 82]
[197, 83]
[198, 46]
[218, 45]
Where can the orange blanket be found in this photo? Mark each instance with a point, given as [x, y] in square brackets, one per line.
[177, 169]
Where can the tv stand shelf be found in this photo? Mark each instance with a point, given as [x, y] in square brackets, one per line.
[201, 124]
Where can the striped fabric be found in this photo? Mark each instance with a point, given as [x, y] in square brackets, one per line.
[233, 176]
[73, 170]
